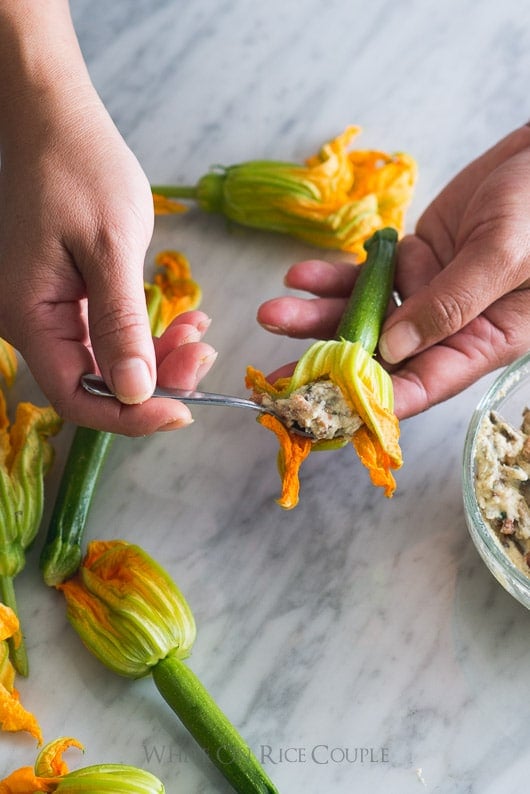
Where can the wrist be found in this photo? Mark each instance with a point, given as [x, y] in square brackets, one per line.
[40, 62]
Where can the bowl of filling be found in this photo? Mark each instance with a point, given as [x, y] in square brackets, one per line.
[496, 479]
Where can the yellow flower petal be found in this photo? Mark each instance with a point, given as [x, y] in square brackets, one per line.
[173, 292]
[24, 781]
[49, 762]
[365, 385]
[8, 622]
[336, 200]
[167, 206]
[294, 449]
[13, 716]
[8, 362]
[126, 608]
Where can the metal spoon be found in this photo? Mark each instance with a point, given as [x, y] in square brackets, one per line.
[96, 385]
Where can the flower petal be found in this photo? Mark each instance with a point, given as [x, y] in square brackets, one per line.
[49, 762]
[174, 291]
[24, 781]
[14, 717]
[167, 206]
[8, 362]
[294, 449]
[376, 460]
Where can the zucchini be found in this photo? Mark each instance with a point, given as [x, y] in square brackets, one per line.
[61, 554]
[365, 312]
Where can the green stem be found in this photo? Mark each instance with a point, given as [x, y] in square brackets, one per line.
[175, 191]
[61, 554]
[17, 646]
[365, 312]
[215, 734]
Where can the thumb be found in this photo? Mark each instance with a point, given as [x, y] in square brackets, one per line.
[475, 279]
[119, 330]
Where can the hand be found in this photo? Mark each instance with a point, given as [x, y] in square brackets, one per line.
[77, 218]
[464, 277]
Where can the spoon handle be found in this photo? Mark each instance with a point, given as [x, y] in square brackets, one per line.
[96, 385]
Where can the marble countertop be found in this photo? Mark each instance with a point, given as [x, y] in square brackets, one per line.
[358, 643]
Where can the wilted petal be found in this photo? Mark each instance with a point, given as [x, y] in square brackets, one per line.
[13, 716]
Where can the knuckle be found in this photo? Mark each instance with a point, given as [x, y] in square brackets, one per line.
[449, 313]
[117, 320]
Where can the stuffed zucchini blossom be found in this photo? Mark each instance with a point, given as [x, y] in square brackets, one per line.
[337, 199]
[338, 392]
[50, 773]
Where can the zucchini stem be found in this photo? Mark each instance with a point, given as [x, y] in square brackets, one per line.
[175, 191]
[200, 714]
[61, 554]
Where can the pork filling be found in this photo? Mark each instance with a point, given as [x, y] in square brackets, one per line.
[317, 408]
[502, 483]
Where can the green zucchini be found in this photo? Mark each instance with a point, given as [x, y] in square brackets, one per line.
[365, 312]
[62, 552]
[200, 714]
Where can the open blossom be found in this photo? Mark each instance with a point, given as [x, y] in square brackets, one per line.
[50, 773]
[367, 389]
[337, 199]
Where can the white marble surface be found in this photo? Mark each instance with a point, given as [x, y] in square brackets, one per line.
[352, 621]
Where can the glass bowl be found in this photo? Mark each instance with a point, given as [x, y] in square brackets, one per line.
[509, 395]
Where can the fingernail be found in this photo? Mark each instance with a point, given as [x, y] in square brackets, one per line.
[274, 329]
[176, 424]
[131, 381]
[399, 342]
[203, 325]
[205, 364]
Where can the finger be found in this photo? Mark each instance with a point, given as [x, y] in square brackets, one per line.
[184, 366]
[325, 279]
[57, 369]
[188, 327]
[119, 326]
[284, 371]
[416, 266]
[475, 279]
[302, 318]
[485, 344]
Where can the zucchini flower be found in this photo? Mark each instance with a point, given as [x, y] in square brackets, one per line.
[50, 773]
[338, 391]
[133, 618]
[172, 292]
[336, 200]
[13, 716]
[25, 457]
